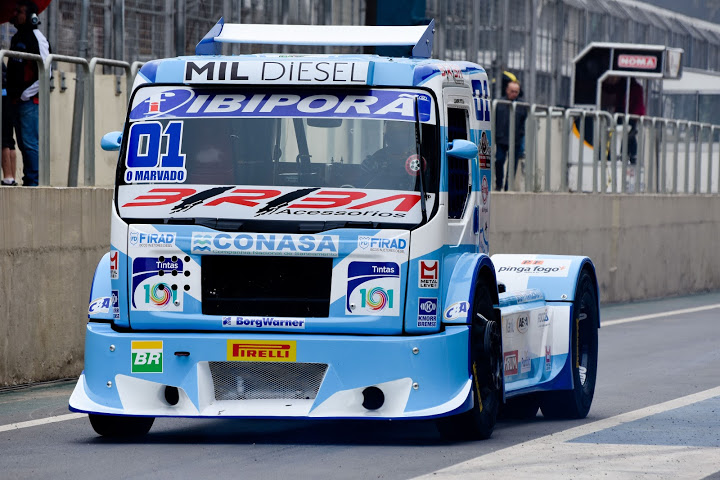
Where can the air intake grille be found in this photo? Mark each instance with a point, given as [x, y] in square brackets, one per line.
[266, 286]
[266, 380]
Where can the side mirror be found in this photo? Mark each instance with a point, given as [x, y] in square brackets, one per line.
[111, 141]
[463, 149]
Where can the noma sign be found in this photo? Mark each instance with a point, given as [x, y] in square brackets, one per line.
[641, 62]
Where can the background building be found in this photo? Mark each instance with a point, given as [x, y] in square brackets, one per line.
[534, 39]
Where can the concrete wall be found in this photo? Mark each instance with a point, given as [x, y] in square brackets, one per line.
[644, 246]
[51, 240]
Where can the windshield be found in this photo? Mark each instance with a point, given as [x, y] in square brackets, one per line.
[297, 141]
[364, 140]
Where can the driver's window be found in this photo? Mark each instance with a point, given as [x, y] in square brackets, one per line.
[458, 168]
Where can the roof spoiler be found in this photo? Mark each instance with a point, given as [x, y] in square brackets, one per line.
[419, 37]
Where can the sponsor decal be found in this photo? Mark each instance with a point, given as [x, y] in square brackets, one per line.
[509, 325]
[148, 292]
[147, 356]
[429, 273]
[523, 322]
[279, 72]
[427, 312]
[261, 351]
[154, 102]
[481, 98]
[264, 322]
[525, 362]
[485, 191]
[115, 302]
[279, 203]
[259, 244]
[543, 319]
[373, 288]
[114, 272]
[548, 358]
[143, 239]
[211, 103]
[511, 362]
[640, 62]
[159, 294]
[99, 305]
[146, 161]
[484, 153]
[457, 310]
[484, 146]
[546, 268]
[451, 73]
[377, 244]
[412, 165]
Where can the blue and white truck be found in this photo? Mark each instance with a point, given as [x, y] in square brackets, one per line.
[306, 236]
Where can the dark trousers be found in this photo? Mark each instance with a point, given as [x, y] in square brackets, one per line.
[500, 157]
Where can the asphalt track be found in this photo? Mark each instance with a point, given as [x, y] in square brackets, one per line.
[656, 414]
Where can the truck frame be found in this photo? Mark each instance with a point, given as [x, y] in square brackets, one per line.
[306, 236]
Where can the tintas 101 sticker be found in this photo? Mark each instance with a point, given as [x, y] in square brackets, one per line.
[373, 289]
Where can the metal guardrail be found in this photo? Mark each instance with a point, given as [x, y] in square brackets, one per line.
[682, 150]
[43, 110]
[90, 111]
[659, 142]
[44, 124]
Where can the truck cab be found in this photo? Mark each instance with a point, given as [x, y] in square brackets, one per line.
[306, 236]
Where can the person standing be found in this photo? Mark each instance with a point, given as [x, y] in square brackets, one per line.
[615, 99]
[23, 85]
[8, 143]
[502, 133]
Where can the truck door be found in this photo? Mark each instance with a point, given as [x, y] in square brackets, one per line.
[462, 200]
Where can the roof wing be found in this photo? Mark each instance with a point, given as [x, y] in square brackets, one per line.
[419, 37]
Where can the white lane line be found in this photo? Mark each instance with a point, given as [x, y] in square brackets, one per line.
[41, 421]
[552, 457]
[659, 315]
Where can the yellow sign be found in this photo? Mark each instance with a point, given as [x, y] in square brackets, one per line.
[261, 351]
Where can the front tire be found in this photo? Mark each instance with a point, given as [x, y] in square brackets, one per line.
[478, 423]
[117, 426]
[575, 403]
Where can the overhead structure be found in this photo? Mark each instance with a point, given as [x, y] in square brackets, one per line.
[420, 38]
[599, 61]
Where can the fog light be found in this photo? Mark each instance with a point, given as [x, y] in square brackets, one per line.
[172, 396]
[373, 398]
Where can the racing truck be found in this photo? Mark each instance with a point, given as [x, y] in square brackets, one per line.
[306, 236]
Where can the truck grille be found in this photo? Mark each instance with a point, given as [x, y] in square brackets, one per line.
[266, 380]
[266, 286]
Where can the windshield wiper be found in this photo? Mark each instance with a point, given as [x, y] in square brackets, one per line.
[418, 142]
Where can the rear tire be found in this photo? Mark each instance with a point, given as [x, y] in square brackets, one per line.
[575, 403]
[478, 423]
[117, 426]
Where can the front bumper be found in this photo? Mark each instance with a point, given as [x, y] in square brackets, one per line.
[420, 376]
